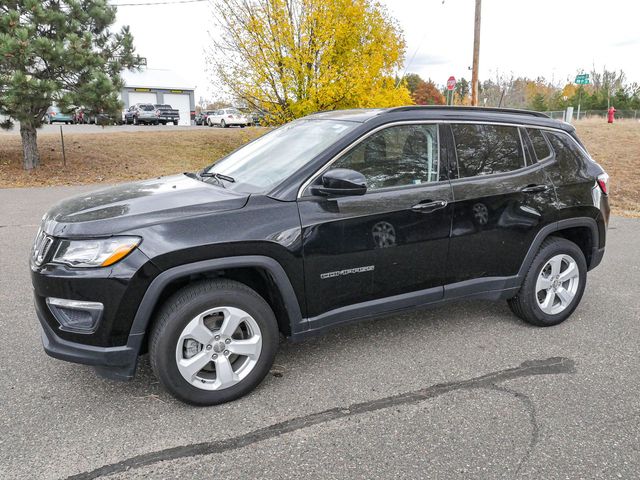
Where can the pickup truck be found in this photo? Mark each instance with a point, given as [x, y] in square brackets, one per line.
[167, 114]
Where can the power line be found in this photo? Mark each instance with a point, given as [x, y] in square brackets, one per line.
[167, 2]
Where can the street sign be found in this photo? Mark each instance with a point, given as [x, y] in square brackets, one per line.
[582, 79]
[451, 83]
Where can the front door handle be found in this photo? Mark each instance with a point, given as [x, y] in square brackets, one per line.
[535, 188]
[429, 206]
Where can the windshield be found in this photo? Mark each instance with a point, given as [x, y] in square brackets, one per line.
[266, 162]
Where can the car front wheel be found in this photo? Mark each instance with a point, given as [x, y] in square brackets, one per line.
[554, 284]
[213, 342]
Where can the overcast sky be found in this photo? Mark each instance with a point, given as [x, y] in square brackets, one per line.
[550, 38]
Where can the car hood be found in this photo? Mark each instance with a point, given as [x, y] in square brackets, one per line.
[134, 205]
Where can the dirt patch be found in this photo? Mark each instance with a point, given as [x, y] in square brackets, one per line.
[120, 156]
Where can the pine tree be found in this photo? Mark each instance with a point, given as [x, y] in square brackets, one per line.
[62, 52]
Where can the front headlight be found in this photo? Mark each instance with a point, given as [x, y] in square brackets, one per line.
[94, 253]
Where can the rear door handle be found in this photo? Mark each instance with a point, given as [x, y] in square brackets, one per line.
[535, 188]
[429, 206]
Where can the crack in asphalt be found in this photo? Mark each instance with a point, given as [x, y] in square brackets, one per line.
[549, 366]
[533, 419]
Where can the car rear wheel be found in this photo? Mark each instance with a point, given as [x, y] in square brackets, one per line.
[554, 284]
[213, 342]
[223, 124]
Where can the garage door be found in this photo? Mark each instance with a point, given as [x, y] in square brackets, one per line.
[140, 97]
[180, 102]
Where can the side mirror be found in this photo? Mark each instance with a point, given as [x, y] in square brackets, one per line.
[341, 182]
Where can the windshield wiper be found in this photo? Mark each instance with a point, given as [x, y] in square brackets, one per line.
[218, 176]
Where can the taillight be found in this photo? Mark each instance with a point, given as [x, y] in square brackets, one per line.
[603, 183]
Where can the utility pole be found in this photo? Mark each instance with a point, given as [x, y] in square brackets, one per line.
[476, 55]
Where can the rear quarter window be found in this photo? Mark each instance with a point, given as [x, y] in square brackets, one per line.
[539, 143]
[566, 150]
[484, 149]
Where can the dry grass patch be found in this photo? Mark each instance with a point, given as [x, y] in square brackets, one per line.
[617, 148]
[118, 156]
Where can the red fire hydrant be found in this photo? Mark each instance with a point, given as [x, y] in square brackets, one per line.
[611, 114]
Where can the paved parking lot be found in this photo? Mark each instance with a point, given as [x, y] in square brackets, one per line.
[465, 391]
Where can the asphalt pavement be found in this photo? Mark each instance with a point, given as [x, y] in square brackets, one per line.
[463, 391]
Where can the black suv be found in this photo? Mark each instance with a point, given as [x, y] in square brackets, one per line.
[335, 217]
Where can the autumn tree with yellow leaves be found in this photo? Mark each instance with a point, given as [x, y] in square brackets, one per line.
[295, 57]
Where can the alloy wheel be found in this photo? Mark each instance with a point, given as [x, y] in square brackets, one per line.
[218, 348]
[557, 284]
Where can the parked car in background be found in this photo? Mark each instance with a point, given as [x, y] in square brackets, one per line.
[84, 115]
[227, 117]
[54, 114]
[201, 116]
[141, 113]
[167, 114]
[79, 115]
[257, 118]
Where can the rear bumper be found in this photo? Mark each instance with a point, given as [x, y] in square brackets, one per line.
[112, 362]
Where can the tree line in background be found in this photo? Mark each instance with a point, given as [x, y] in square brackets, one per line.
[607, 88]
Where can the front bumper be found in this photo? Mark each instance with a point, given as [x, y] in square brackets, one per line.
[112, 362]
[110, 347]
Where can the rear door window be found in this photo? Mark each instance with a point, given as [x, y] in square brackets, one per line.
[539, 143]
[484, 149]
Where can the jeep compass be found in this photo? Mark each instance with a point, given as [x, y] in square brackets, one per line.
[332, 218]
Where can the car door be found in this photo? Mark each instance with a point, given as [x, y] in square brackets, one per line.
[502, 199]
[386, 245]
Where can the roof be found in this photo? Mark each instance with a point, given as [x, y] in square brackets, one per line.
[439, 112]
[155, 78]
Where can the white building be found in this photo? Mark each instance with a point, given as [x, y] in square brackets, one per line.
[159, 86]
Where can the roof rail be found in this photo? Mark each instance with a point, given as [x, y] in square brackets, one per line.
[512, 111]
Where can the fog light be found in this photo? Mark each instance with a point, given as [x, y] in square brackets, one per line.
[74, 315]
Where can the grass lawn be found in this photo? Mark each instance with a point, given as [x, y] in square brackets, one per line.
[120, 156]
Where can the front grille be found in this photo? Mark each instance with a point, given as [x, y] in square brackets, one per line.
[41, 247]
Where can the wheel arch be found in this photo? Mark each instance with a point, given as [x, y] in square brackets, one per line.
[572, 229]
[261, 273]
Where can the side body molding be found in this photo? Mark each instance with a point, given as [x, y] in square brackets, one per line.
[271, 266]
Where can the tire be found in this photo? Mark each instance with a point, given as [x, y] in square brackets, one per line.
[203, 300]
[135, 120]
[175, 123]
[544, 307]
[209, 122]
[223, 124]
